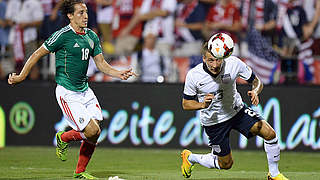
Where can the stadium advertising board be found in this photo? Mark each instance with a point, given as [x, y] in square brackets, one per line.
[150, 115]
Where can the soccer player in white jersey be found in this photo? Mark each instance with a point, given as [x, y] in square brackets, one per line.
[211, 88]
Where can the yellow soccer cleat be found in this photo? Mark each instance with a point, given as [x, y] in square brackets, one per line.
[278, 177]
[186, 167]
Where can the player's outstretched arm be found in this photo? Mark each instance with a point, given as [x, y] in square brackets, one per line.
[33, 59]
[195, 105]
[104, 67]
[257, 87]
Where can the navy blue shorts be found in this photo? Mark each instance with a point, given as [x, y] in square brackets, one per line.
[219, 133]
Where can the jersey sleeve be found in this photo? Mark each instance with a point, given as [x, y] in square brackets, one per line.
[97, 46]
[189, 91]
[245, 72]
[54, 42]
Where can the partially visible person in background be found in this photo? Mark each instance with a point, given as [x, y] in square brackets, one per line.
[24, 18]
[52, 21]
[260, 15]
[225, 17]
[312, 8]
[297, 38]
[190, 18]
[104, 20]
[149, 64]
[126, 38]
[52, 18]
[92, 15]
[259, 28]
[157, 14]
[4, 32]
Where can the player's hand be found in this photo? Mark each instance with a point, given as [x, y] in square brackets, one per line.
[125, 74]
[14, 78]
[207, 100]
[254, 97]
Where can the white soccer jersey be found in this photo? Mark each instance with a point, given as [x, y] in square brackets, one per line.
[227, 101]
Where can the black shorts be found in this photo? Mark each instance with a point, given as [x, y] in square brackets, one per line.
[219, 133]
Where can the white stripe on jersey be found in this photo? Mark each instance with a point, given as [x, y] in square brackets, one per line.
[57, 35]
[227, 101]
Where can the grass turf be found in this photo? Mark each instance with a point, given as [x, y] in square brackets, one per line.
[145, 164]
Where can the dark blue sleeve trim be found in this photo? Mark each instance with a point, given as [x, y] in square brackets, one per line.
[187, 97]
[252, 77]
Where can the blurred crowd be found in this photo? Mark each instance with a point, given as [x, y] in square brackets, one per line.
[162, 39]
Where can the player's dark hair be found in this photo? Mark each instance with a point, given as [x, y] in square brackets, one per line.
[68, 6]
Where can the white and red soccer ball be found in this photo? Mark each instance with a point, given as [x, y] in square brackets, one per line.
[220, 45]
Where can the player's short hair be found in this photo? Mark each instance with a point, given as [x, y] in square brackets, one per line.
[205, 49]
[68, 6]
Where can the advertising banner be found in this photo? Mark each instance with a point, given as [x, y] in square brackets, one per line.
[151, 115]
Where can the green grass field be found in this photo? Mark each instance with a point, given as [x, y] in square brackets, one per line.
[141, 164]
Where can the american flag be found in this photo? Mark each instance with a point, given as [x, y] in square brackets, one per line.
[306, 60]
[262, 58]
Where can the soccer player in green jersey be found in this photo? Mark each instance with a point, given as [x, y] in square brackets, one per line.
[73, 45]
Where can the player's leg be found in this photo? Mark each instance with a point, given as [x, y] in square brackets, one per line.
[271, 146]
[70, 109]
[92, 132]
[212, 161]
[207, 160]
[78, 118]
[219, 158]
[250, 123]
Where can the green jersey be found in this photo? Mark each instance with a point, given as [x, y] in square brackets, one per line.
[72, 51]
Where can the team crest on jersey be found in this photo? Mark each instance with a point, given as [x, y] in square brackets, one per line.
[81, 120]
[226, 78]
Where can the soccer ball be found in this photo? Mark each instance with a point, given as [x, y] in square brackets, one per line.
[220, 45]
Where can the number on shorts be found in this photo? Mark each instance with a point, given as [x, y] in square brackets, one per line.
[250, 112]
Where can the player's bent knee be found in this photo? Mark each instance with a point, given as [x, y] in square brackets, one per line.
[92, 131]
[270, 135]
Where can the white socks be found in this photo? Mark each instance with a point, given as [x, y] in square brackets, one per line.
[272, 149]
[207, 160]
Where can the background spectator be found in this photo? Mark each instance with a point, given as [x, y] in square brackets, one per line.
[149, 64]
[224, 16]
[298, 39]
[190, 18]
[259, 22]
[157, 14]
[24, 17]
[126, 38]
[104, 20]
[52, 18]
[4, 32]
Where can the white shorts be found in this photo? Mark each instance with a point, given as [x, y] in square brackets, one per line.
[78, 107]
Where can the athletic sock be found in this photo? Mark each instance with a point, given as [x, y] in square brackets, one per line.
[72, 135]
[86, 151]
[272, 149]
[207, 160]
